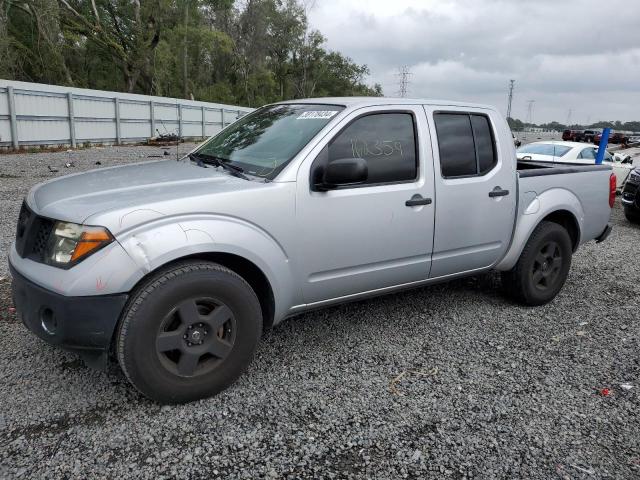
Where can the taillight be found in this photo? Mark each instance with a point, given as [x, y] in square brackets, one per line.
[612, 190]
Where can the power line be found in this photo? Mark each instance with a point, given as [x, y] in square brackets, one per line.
[511, 84]
[403, 80]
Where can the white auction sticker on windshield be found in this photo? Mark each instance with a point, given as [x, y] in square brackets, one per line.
[315, 114]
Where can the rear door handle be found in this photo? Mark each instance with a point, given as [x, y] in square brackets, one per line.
[417, 200]
[498, 192]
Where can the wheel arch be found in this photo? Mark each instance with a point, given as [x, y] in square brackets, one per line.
[569, 222]
[248, 270]
[557, 206]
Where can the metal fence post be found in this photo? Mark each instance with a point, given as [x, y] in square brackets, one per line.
[238, 115]
[116, 102]
[204, 122]
[152, 116]
[72, 122]
[222, 116]
[12, 116]
[179, 120]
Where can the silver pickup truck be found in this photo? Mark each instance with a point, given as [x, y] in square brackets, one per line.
[176, 267]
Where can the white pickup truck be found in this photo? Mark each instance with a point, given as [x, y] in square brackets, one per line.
[176, 267]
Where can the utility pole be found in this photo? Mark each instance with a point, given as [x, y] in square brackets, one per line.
[530, 111]
[511, 84]
[569, 117]
[185, 73]
[403, 74]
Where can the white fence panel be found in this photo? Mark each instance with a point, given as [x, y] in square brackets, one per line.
[94, 107]
[39, 114]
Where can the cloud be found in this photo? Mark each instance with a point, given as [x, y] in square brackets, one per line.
[577, 55]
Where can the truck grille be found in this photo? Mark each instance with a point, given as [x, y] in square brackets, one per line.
[32, 234]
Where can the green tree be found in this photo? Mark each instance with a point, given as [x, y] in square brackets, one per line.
[247, 52]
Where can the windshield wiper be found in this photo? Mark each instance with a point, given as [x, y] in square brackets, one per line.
[204, 159]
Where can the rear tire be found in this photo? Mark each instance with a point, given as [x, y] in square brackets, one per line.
[542, 268]
[188, 332]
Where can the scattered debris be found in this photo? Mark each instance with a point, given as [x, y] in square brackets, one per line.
[605, 392]
[165, 139]
[395, 381]
[587, 470]
[156, 156]
[69, 165]
[166, 152]
[582, 324]
[626, 386]
[417, 455]
[52, 169]
[98, 162]
[12, 309]
[581, 333]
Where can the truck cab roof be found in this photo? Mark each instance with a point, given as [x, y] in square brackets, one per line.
[378, 101]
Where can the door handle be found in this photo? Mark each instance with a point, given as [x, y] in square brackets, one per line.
[417, 200]
[498, 192]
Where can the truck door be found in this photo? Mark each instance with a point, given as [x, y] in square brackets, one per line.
[373, 235]
[475, 185]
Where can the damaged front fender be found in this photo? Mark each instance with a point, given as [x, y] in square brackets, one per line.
[167, 239]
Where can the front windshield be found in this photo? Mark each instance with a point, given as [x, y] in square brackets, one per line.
[264, 142]
[544, 149]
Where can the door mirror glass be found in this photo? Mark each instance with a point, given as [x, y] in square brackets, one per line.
[344, 172]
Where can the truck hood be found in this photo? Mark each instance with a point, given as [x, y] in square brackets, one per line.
[75, 198]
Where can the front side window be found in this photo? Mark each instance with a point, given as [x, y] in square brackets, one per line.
[263, 142]
[466, 144]
[385, 140]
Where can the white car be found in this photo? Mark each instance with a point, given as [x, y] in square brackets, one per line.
[575, 152]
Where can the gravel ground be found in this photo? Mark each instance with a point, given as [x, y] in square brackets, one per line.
[447, 381]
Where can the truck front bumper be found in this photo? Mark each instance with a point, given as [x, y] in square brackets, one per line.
[81, 324]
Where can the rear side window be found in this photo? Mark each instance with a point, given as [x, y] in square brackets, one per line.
[385, 140]
[484, 143]
[466, 144]
[588, 153]
[550, 149]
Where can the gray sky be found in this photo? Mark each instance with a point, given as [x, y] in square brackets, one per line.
[564, 54]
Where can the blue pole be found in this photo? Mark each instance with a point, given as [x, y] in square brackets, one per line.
[604, 140]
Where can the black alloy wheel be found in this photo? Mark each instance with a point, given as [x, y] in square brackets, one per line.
[547, 266]
[196, 336]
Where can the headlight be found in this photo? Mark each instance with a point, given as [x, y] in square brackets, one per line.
[69, 243]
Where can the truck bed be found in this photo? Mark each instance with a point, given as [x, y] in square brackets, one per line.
[529, 168]
[583, 189]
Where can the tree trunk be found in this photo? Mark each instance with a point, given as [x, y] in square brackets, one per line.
[185, 73]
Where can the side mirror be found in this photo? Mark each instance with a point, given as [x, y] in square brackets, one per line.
[343, 172]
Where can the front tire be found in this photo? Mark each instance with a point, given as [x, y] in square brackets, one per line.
[188, 332]
[542, 268]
